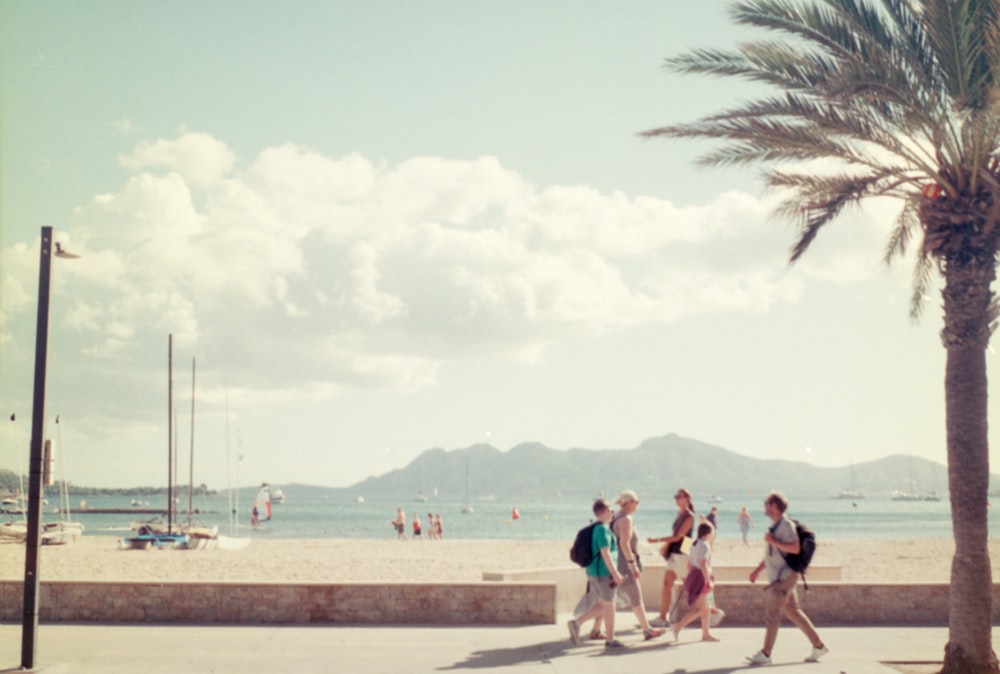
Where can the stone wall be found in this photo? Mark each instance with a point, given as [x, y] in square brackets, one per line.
[287, 603]
[486, 603]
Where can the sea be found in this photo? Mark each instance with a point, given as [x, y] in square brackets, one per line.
[311, 512]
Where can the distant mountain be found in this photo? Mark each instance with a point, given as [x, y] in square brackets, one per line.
[658, 466]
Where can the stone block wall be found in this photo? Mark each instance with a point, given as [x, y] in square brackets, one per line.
[287, 603]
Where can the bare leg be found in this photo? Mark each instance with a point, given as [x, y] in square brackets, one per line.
[668, 592]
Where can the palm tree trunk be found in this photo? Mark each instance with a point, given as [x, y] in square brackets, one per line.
[966, 334]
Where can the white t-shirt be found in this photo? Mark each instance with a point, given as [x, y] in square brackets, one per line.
[774, 561]
[700, 551]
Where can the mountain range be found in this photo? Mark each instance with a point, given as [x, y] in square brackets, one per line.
[657, 467]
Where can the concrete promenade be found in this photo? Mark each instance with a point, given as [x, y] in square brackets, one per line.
[537, 649]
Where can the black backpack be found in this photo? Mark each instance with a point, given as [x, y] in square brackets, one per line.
[582, 552]
[807, 547]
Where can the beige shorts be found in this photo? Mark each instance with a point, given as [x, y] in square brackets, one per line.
[678, 563]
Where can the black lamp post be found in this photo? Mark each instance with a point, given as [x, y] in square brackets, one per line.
[33, 540]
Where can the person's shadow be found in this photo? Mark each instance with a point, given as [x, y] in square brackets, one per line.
[544, 653]
[541, 653]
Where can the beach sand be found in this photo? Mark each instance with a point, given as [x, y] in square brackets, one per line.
[343, 560]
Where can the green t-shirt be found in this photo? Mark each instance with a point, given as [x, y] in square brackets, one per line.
[603, 538]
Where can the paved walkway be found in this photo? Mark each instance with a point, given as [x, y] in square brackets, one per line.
[103, 649]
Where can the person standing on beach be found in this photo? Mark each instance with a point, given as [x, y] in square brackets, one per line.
[438, 527]
[416, 526]
[602, 578]
[400, 524]
[713, 517]
[629, 564]
[431, 528]
[746, 523]
[782, 540]
[677, 561]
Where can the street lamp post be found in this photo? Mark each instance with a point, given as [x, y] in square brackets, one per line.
[33, 540]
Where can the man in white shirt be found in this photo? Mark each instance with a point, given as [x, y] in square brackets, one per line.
[782, 540]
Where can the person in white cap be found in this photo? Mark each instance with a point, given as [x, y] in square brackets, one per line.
[629, 564]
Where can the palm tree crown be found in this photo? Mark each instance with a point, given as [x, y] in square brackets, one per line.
[902, 95]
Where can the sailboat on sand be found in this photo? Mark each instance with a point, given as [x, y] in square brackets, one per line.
[64, 530]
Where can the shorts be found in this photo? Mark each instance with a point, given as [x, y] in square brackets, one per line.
[631, 591]
[599, 588]
[678, 563]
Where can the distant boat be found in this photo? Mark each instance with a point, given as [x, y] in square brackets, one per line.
[912, 494]
[277, 496]
[420, 498]
[715, 498]
[852, 494]
[360, 499]
[13, 531]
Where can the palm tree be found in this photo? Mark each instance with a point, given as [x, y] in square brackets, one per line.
[891, 98]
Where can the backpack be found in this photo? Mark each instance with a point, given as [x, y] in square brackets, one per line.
[807, 547]
[582, 552]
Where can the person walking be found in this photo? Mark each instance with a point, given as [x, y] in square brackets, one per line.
[782, 540]
[629, 564]
[677, 561]
[746, 523]
[602, 579]
[699, 584]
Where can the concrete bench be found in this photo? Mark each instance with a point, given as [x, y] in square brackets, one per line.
[571, 581]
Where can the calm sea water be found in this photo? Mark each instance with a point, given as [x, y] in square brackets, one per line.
[312, 513]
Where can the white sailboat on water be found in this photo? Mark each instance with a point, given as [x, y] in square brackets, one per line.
[853, 493]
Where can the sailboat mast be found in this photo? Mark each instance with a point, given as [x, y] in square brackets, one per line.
[170, 434]
[229, 471]
[191, 466]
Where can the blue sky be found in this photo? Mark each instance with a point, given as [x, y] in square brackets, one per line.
[384, 227]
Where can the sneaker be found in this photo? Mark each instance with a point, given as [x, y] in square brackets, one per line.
[614, 643]
[574, 632]
[595, 635]
[717, 617]
[817, 653]
[653, 633]
[759, 658]
[659, 622]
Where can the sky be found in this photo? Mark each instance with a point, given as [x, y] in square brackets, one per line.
[382, 227]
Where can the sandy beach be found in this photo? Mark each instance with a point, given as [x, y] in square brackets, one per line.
[341, 560]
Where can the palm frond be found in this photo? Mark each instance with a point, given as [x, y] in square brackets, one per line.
[906, 224]
[816, 200]
[966, 52]
[765, 140]
[923, 270]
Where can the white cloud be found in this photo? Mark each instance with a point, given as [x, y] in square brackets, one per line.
[302, 270]
[199, 158]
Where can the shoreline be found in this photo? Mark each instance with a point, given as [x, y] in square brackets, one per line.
[97, 557]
